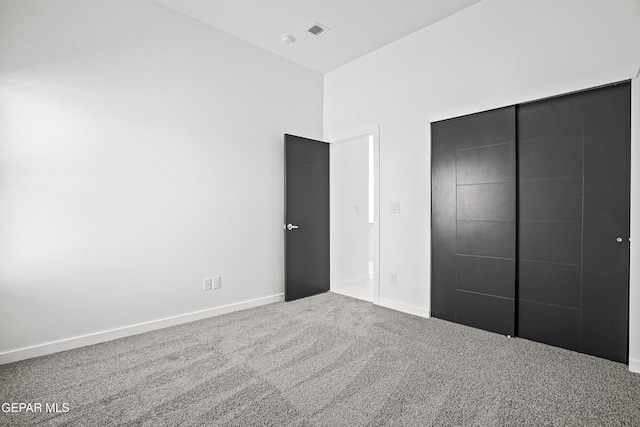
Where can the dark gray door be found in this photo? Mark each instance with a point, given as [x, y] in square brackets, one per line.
[306, 217]
[574, 167]
[474, 220]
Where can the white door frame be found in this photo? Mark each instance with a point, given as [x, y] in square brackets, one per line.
[374, 132]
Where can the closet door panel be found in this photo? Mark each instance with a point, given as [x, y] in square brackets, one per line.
[484, 191]
[489, 239]
[482, 129]
[486, 195]
[486, 312]
[550, 163]
[574, 221]
[550, 158]
[495, 163]
[491, 276]
[559, 326]
[551, 200]
[605, 287]
[557, 242]
[487, 202]
[557, 284]
[443, 220]
[550, 119]
[443, 282]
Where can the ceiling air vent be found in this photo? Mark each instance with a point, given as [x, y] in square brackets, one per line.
[318, 29]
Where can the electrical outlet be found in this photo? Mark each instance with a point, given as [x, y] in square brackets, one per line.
[217, 282]
[394, 207]
[207, 284]
[393, 279]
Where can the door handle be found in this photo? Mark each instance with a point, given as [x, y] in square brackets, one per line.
[619, 240]
[290, 227]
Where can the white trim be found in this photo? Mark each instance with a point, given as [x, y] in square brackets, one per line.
[405, 308]
[634, 365]
[125, 331]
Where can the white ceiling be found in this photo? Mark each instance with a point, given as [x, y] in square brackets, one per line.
[356, 27]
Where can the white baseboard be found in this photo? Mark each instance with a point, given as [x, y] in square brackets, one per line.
[634, 365]
[112, 334]
[405, 308]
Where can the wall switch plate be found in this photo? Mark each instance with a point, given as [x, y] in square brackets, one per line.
[217, 282]
[394, 207]
[207, 284]
[393, 279]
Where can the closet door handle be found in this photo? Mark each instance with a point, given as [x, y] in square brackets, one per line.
[619, 240]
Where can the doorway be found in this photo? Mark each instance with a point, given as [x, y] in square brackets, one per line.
[354, 217]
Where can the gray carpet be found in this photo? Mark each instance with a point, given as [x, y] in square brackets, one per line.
[328, 360]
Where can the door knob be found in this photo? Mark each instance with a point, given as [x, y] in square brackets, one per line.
[619, 239]
[290, 227]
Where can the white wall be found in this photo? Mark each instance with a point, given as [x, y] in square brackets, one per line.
[140, 152]
[493, 54]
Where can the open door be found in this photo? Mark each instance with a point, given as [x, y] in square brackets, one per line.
[306, 213]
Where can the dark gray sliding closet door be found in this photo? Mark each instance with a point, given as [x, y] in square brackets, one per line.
[550, 134]
[574, 168]
[473, 220]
